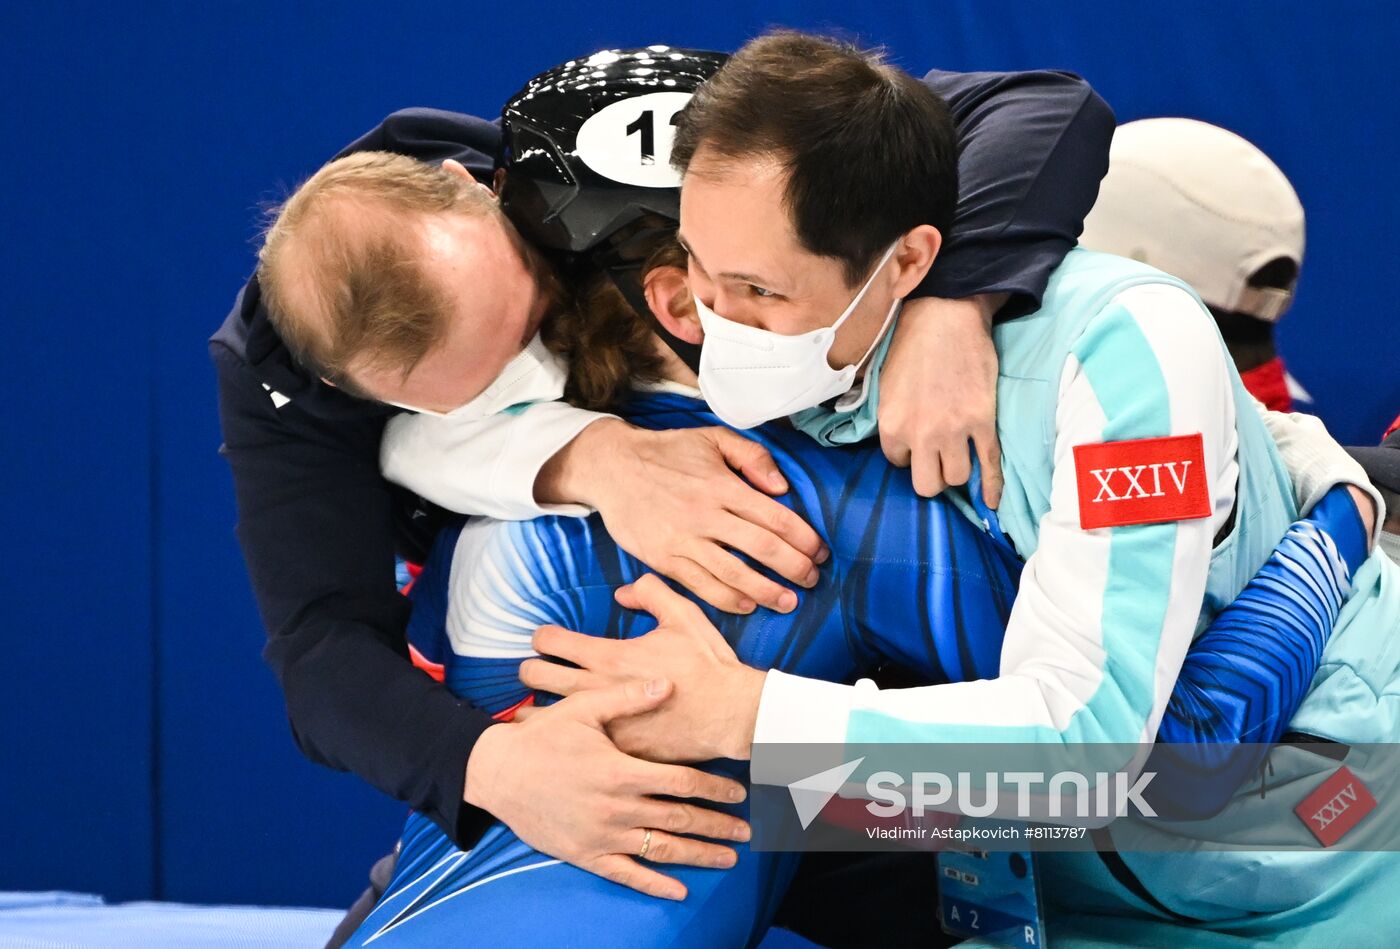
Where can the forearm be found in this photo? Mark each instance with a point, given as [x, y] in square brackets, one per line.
[316, 531]
[1104, 615]
[356, 704]
[1247, 674]
[502, 466]
[567, 475]
[1034, 147]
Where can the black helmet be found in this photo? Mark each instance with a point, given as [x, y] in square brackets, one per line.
[586, 145]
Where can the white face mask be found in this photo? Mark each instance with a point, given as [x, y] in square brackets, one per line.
[534, 375]
[750, 376]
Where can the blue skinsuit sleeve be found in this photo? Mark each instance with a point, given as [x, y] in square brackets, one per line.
[1246, 675]
[941, 615]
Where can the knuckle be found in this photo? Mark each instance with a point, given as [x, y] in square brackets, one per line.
[721, 596]
[616, 776]
[689, 573]
[767, 547]
[777, 518]
[791, 522]
[729, 571]
[751, 449]
[677, 819]
[609, 813]
[661, 848]
[684, 784]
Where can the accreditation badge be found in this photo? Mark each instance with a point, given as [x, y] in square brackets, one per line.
[993, 896]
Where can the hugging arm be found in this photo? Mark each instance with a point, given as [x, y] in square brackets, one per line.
[434, 135]
[1033, 148]
[941, 618]
[315, 524]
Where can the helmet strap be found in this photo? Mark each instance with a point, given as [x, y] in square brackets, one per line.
[627, 278]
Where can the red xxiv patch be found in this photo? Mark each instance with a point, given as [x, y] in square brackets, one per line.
[1336, 806]
[1144, 481]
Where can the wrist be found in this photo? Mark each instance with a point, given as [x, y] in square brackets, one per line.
[484, 764]
[570, 476]
[975, 310]
[988, 304]
[1366, 508]
[747, 692]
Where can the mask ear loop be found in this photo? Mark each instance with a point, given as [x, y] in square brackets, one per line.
[895, 307]
[623, 265]
[627, 279]
[889, 317]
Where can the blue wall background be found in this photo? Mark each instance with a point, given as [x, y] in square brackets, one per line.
[143, 749]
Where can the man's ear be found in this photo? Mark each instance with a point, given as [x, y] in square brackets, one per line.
[454, 167]
[668, 294]
[913, 258]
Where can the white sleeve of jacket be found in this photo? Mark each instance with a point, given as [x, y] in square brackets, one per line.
[483, 466]
[1104, 617]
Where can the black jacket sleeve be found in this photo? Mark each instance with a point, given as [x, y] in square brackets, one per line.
[434, 135]
[1033, 147]
[316, 522]
[316, 526]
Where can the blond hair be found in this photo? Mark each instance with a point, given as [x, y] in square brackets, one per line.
[340, 266]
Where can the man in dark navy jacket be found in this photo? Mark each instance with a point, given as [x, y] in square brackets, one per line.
[319, 526]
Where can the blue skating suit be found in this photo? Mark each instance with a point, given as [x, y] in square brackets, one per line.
[911, 583]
